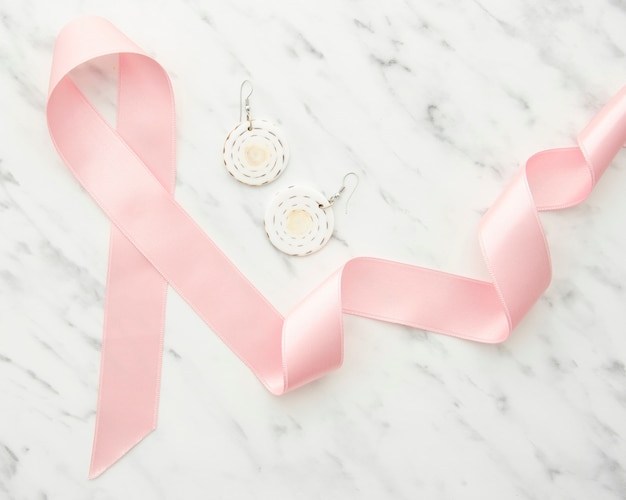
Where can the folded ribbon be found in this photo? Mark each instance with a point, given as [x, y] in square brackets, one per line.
[130, 171]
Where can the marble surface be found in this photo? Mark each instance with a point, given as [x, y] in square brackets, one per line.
[435, 105]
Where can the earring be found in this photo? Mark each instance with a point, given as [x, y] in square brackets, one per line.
[300, 220]
[254, 151]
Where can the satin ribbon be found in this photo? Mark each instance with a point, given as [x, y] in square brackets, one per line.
[129, 171]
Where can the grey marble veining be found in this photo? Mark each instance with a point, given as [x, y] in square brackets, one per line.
[435, 105]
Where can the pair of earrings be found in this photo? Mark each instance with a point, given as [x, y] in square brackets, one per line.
[298, 220]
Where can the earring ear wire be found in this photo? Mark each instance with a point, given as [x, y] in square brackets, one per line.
[337, 195]
[245, 104]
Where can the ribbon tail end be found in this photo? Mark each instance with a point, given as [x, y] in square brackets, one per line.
[103, 457]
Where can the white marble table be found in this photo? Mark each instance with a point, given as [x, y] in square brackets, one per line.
[435, 105]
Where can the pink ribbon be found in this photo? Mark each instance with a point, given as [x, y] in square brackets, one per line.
[130, 171]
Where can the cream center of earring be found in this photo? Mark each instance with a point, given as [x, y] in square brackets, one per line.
[256, 154]
[299, 223]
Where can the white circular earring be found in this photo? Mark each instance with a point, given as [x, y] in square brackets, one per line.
[255, 152]
[300, 221]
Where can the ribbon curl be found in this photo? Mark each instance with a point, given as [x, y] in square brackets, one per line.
[130, 171]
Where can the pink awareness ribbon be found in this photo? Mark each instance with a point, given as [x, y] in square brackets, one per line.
[129, 171]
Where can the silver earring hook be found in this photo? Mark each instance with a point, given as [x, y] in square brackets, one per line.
[334, 197]
[245, 103]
